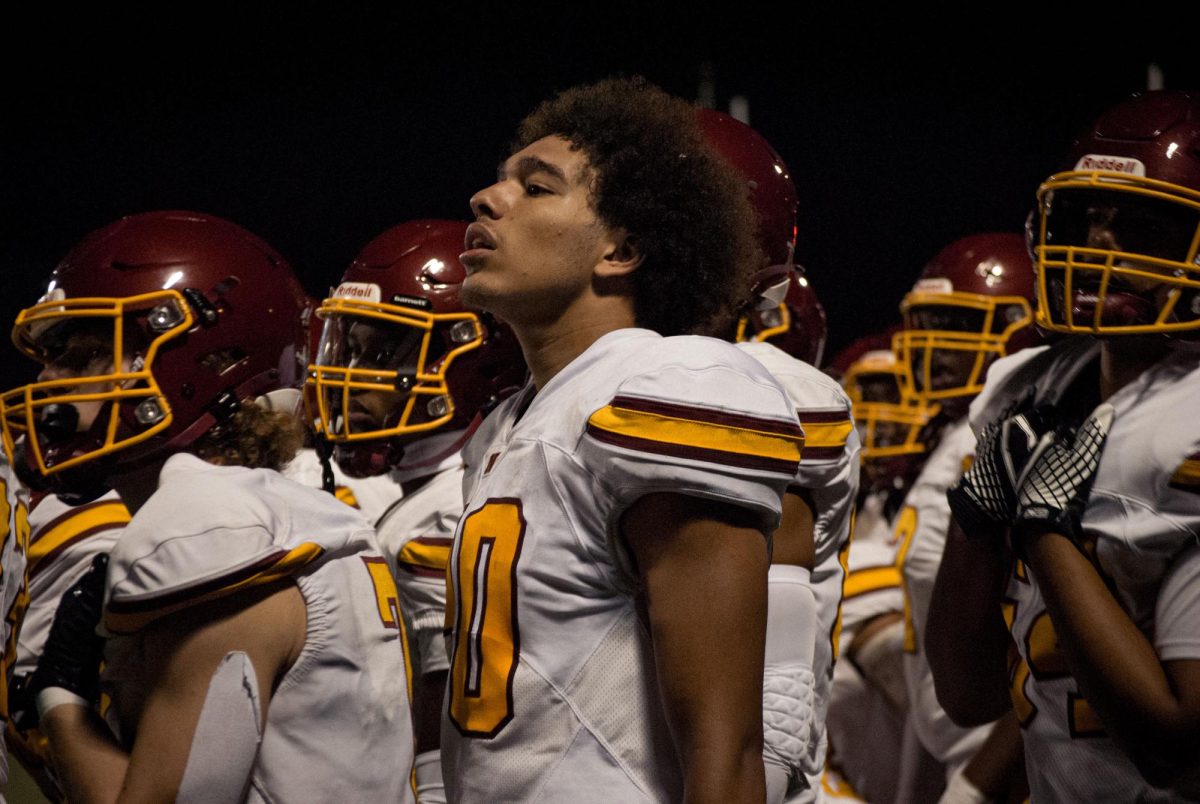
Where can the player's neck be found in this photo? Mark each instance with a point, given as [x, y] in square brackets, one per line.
[1122, 360]
[550, 347]
[136, 486]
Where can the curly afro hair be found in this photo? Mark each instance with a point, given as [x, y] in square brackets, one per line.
[656, 178]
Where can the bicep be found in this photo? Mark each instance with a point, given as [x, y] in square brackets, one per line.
[183, 652]
[703, 567]
[792, 542]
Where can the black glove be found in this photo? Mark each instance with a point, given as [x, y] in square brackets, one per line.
[1056, 488]
[73, 651]
[985, 497]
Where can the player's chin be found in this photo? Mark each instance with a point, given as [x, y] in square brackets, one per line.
[478, 291]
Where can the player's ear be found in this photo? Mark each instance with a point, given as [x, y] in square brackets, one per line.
[621, 257]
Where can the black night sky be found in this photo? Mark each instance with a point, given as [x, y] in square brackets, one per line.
[317, 129]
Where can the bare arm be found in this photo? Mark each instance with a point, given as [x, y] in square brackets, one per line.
[997, 769]
[966, 639]
[182, 653]
[793, 541]
[1150, 708]
[703, 567]
[429, 689]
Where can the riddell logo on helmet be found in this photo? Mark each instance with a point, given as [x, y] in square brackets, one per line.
[363, 291]
[1111, 164]
[934, 284]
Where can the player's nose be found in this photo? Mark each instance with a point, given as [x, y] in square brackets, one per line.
[488, 202]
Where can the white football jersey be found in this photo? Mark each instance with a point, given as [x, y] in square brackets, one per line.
[866, 734]
[866, 730]
[872, 584]
[415, 535]
[371, 495]
[64, 539]
[828, 473]
[921, 528]
[338, 724]
[14, 594]
[553, 694]
[1144, 513]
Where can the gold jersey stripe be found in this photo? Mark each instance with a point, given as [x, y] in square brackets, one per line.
[826, 434]
[346, 495]
[424, 554]
[127, 617]
[1188, 473]
[692, 434]
[871, 579]
[87, 521]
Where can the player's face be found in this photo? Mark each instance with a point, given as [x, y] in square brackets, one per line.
[536, 239]
[1127, 225]
[379, 346]
[74, 350]
[883, 388]
[948, 368]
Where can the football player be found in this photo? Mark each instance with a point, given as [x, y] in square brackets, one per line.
[65, 535]
[253, 642]
[613, 552]
[371, 494]
[14, 519]
[805, 579]
[1083, 547]
[797, 323]
[402, 377]
[971, 305]
[869, 702]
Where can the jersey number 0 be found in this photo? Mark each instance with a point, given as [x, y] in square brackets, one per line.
[487, 639]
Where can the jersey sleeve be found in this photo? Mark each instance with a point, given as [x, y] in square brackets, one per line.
[417, 537]
[724, 432]
[197, 539]
[1180, 499]
[421, 581]
[1006, 379]
[63, 541]
[1177, 615]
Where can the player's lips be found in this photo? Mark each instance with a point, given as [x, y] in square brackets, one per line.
[478, 241]
[359, 417]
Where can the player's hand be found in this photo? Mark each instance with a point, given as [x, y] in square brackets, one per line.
[1055, 490]
[985, 497]
[71, 657]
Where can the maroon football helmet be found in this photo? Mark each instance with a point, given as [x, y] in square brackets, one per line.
[971, 304]
[797, 324]
[164, 322]
[785, 311]
[400, 357]
[1116, 235]
[771, 190]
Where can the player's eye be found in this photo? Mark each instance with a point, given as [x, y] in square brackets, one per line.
[535, 189]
